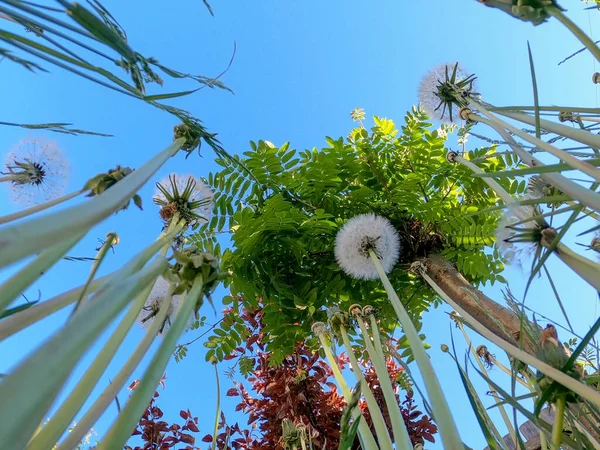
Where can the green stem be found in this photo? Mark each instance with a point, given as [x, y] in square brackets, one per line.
[578, 32]
[59, 423]
[218, 410]
[19, 241]
[381, 430]
[121, 430]
[363, 427]
[38, 208]
[51, 364]
[591, 119]
[579, 135]
[441, 410]
[110, 239]
[15, 285]
[579, 388]
[557, 429]
[574, 190]
[586, 268]
[493, 184]
[9, 178]
[501, 408]
[88, 420]
[23, 319]
[564, 156]
[546, 108]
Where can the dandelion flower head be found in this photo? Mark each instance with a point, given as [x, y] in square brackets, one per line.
[186, 195]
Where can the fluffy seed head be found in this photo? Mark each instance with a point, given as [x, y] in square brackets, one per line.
[442, 91]
[357, 237]
[38, 169]
[158, 295]
[186, 195]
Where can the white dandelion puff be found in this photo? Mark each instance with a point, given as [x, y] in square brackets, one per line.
[517, 242]
[158, 295]
[36, 171]
[438, 94]
[186, 195]
[357, 236]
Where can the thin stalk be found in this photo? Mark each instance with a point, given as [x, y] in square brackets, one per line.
[23, 319]
[15, 285]
[82, 426]
[586, 268]
[574, 190]
[401, 437]
[546, 108]
[18, 241]
[218, 410]
[441, 410]
[51, 364]
[110, 239]
[120, 432]
[59, 423]
[559, 417]
[585, 211]
[363, 428]
[579, 388]
[591, 119]
[507, 421]
[302, 443]
[508, 372]
[583, 136]
[564, 156]
[38, 208]
[381, 430]
[573, 28]
[493, 184]
[9, 178]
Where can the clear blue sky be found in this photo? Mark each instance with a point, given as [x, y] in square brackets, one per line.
[300, 68]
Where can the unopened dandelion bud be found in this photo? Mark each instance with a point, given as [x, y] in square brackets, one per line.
[465, 113]
[355, 311]
[596, 78]
[548, 236]
[567, 116]
[444, 348]
[595, 244]
[319, 328]
[213, 360]
[451, 157]
[368, 311]
[192, 136]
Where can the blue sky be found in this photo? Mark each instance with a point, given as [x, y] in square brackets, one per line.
[300, 68]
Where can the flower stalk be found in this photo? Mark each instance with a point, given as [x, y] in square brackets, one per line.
[441, 410]
[39, 208]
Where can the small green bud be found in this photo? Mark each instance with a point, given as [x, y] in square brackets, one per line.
[445, 348]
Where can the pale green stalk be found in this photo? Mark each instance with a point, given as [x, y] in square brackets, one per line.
[579, 388]
[30, 389]
[401, 437]
[505, 417]
[441, 410]
[363, 428]
[85, 423]
[120, 432]
[110, 239]
[381, 430]
[64, 416]
[559, 417]
[573, 28]
[218, 410]
[23, 319]
[546, 108]
[591, 119]
[499, 190]
[20, 240]
[38, 208]
[15, 285]
[583, 136]
[585, 211]
[574, 190]
[564, 156]
[9, 178]
[586, 268]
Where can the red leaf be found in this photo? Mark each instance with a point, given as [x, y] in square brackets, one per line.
[233, 392]
[183, 414]
[192, 426]
[187, 438]
[207, 438]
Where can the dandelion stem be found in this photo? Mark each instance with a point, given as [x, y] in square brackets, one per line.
[579, 388]
[218, 409]
[493, 184]
[578, 32]
[120, 432]
[557, 429]
[9, 178]
[363, 428]
[574, 190]
[586, 268]
[110, 239]
[398, 428]
[546, 108]
[38, 208]
[441, 410]
[564, 156]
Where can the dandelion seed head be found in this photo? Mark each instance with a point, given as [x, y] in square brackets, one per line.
[357, 236]
[194, 206]
[435, 90]
[517, 252]
[158, 295]
[39, 170]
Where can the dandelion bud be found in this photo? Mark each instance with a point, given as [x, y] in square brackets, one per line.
[444, 348]
[319, 328]
[368, 311]
[485, 355]
[213, 360]
[103, 181]
[595, 244]
[596, 78]
[465, 113]
[192, 136]
[450, 157]
[567, 116]
[527, 10]
[355, 311]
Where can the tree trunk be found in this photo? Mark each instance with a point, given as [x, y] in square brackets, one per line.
[499, 319]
